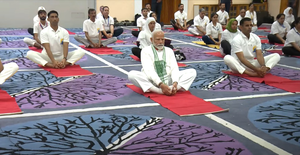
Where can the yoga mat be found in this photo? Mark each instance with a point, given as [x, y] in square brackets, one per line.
[214, 46]
[35, 49]
[138, 59]
[264, 41]
[276, 51]
[74, 70]
[182, 104]
[217, 54]
[199, 42]
[262, 36]
[8, 104]
[272, 80]
[72, 33]
[177, 30]
[134, 29]
[118, 41]
[102, 51]
[262, 28]
[191, 35]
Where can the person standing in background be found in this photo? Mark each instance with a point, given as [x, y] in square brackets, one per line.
[228, 4]
[156, 7]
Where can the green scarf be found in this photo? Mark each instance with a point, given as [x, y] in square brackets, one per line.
[160, 65]
[228, 27]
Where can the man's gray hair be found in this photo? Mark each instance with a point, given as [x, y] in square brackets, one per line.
[156, 31]
[201, 10]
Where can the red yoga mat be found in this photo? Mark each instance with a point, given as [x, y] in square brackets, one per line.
[177, 30]
[74, 70]
[102, 51]
[72, 33]
[217, 54]
[134, 29]
[35, 49]
[262, 28]
[264, 41]
[262, 36]
[191, 35]
[118, 41]
[182, 104]
[272, 80]
[138, 59]
[276, 51]
[8, 104]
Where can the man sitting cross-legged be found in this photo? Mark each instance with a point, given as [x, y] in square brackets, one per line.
[92, 29]
[245, 47]
[160, 73]
[55, 41]
[107, 21]
[37, 28]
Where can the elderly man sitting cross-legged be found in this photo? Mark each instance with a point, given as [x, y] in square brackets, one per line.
[160, 73]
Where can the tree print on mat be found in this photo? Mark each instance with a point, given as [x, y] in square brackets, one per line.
[279, 118]
[115, 134]
[80, 91]
[12, 54]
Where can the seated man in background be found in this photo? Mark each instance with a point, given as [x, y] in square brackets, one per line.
[37, 28]
[160, 73]
[157, 25]
[140, 22]
[246, 46]
[108, 24]
[148, 7]
[7, 71]
[200, 22]
[223, 15]
[100, 14]
[55, 41]
[36, 19]
[92, 29]
[241, 16]
[180, 21]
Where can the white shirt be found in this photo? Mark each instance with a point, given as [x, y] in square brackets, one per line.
[38, 27]
[144, 42]
[147, 59]
[252, 16]
[99, 15]
[239, 18]
[92, 28]
[36, 19]
[180, 16]
[276, 28]
[293, 36]
[226, 35]
[149, 13]
[107, 22]
[214, 31]
[201, 22]
[55, 39]
[249, 46]
[223, 16]
[290, 19]
[157, 26]
[140, 22]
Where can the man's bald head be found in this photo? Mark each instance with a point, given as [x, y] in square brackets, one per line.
[243, 13]
[158, 39]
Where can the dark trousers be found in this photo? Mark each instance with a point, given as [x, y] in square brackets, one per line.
[274, 39]
[30, 31]
[207, 40]
[226, 47]
[173, 23]
[227, 5]
[135, 33]
[117, 32]
[259, 23]
[156, 7]
[290, 51]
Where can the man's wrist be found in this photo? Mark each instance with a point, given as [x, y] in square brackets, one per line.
[160, 84]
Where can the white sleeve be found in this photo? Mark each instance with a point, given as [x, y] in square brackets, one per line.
[220, 28]
[185, 16]
[227, 16]
[85, 29]
[290, 38]
[225, 36]
[139, 22]
[208, 29]
[112, 22]
[236, 45]
[66, 36]
[248, 14]
[142, 39]
[36, 28]
[175, 16]
[148, 66]
[44, 36]
[288, 27]
[255, 18]
[258, 42]
[196, 21]
[274, 28]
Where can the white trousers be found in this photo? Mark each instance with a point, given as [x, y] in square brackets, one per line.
[139, 79]
[43, 59]
[8, 71]
[237, 67]
[29, 42]
[195, 31]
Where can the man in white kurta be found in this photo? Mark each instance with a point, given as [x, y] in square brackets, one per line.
[55, 41]
[92, 29]
[200, 23]
[36, 19]
[223, 15]
[140, 22]
[37, 28]
[246, 46]
[160, 73]
[241, 16]
[181, 18]
[7, 71]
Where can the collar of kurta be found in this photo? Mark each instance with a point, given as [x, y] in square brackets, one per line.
[58, 29]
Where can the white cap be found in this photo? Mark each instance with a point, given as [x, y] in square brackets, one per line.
[41, 8]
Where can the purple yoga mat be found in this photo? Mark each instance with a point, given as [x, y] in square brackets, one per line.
[14, 32]
[13, 44]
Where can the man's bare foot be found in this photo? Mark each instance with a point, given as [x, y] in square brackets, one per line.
[251, 73]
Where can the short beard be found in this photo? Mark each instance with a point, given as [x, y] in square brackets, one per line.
[159, 47]
[42, 18]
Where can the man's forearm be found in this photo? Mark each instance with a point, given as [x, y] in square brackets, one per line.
[260, 58]
[89, 39]
[248, 64]
[65, 49]
[112, 30]
[199, 28]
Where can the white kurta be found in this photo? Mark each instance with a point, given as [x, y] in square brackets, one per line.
[253, 18]
[37, 28]
[199, 22]
[223, 17]
[148, 77]
[281, 30]
[248, 47]
[8, 71]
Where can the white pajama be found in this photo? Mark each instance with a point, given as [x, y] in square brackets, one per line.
[139, 79]
[195, 31]
[237, 67]
[8, 71]
[43, 58]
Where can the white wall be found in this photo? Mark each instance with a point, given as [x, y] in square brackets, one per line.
[19, 13]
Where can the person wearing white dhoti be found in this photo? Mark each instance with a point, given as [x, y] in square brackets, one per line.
[7, 71]
[37, 28]
[92, 29]
[55, 41]
[245, 47]
[200, 23]
[160, 73]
